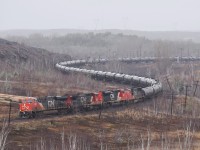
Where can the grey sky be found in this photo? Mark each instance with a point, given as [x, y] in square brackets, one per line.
[100, 14]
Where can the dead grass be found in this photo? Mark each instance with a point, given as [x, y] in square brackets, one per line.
[116, 128]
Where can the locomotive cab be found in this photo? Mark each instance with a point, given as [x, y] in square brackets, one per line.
[97, 99]
[28, 106]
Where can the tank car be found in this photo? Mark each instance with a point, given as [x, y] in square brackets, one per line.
[119, 77]
[128, 78]
[109, 76]
[100, 75]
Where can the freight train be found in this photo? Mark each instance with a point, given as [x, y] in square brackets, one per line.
[147, 87]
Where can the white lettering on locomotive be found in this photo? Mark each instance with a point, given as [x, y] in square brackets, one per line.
[83, 99]
[112, 96]
[51, 104]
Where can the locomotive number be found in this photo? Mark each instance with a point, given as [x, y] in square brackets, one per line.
[51, 104]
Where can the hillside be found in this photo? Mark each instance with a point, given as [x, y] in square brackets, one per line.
[24, 68]
[14, 56]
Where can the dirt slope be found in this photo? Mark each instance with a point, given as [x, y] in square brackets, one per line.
[14, 56]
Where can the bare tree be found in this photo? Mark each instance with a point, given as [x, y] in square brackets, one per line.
[5, 130]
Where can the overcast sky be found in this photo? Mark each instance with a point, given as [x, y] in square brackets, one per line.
[148, 15]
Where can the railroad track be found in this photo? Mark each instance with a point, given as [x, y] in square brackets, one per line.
[54, 115]
[151, 86]
[141, 88]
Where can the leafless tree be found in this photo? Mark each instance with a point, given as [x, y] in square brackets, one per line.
[5, 130]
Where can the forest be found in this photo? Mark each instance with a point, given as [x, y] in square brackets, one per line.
[109, 45]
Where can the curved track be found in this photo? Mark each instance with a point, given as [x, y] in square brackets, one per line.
[150, 86]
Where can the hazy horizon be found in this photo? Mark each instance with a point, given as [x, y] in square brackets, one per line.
[154, 15]
[104, 29]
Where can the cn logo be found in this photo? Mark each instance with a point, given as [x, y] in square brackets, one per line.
[25, 107]
[83, 99]
[112, 96]
[51, 104]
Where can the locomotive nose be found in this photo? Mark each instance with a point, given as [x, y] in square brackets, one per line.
[25, 107]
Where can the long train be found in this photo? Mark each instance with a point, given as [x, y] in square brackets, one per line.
[31, 107]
